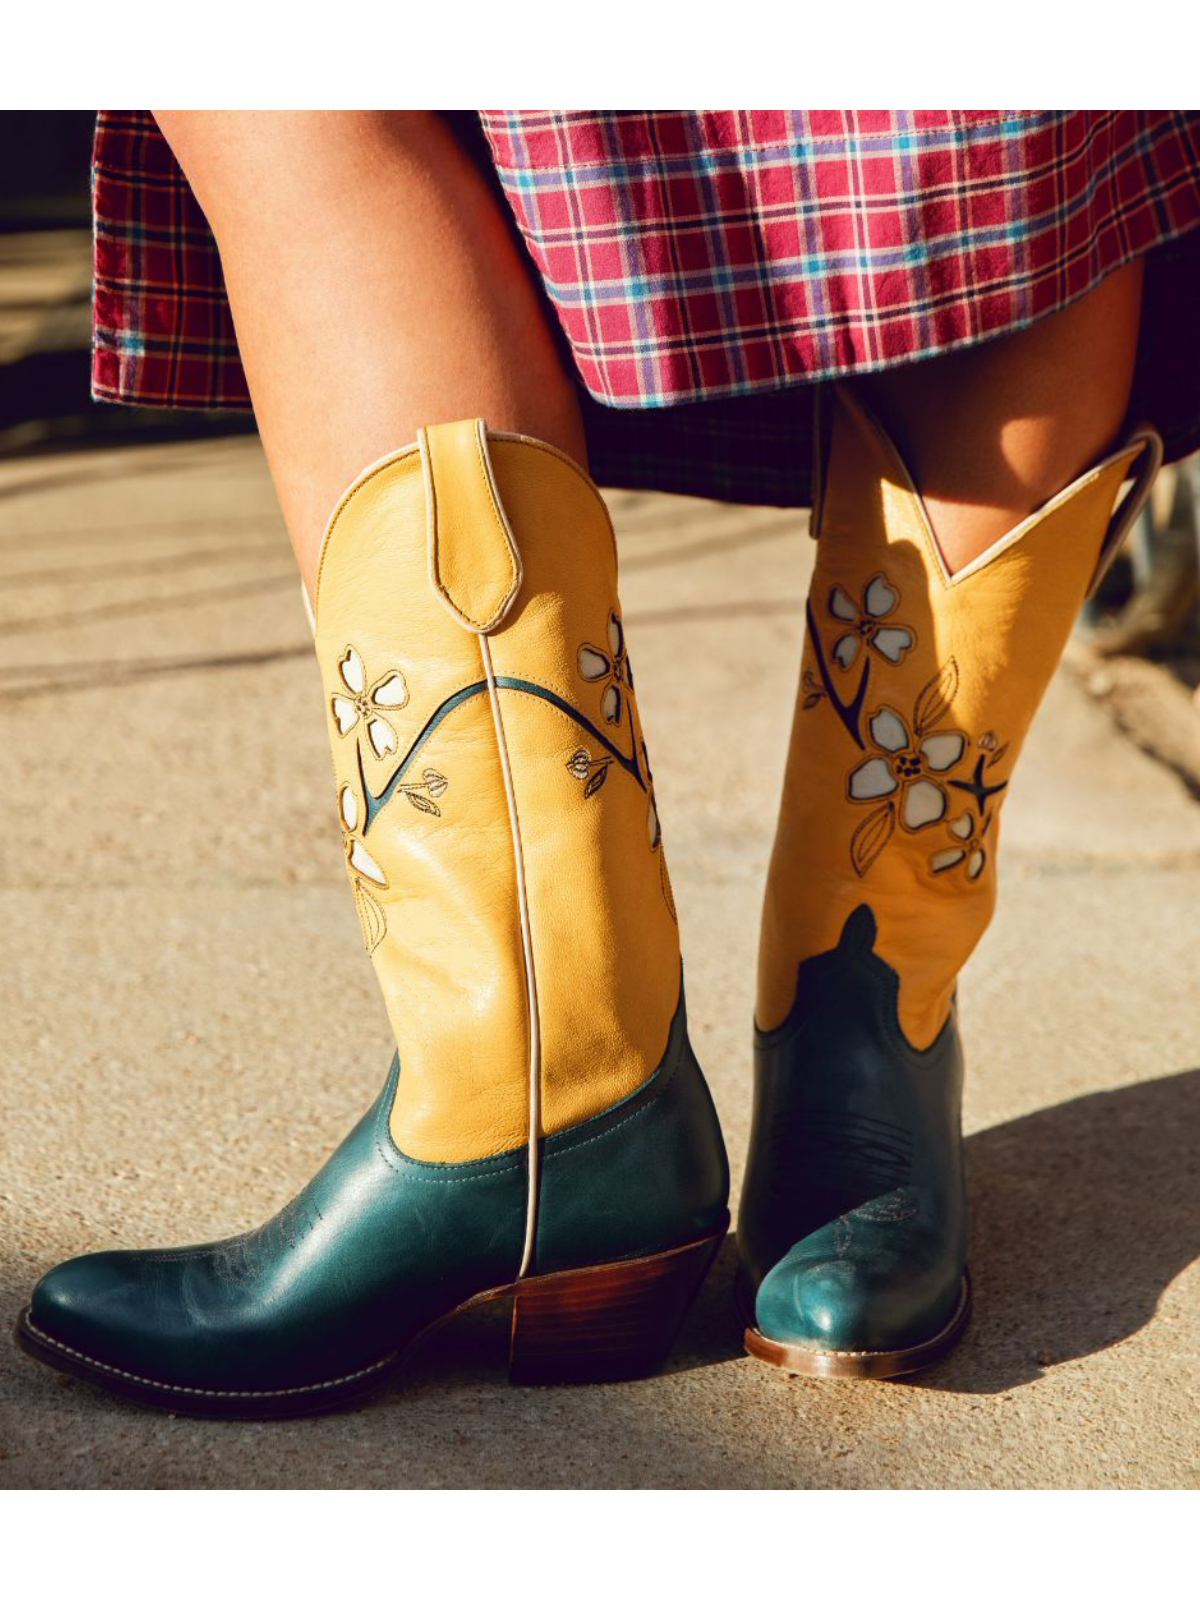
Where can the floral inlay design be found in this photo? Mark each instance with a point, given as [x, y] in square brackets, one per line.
[908, 767]
[360, 711]
[903, 779]
[361, 704]
[359, 857]
[611, 668]
[866, 623]
[969, 853]
[361, 708]
[363, 869]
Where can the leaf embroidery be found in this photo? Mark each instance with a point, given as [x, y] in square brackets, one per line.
[872, 833]
[936, 698]
[434, 784]
[590, 773]
[370, 917]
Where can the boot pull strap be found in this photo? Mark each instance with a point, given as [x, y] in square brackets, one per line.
[474, 563]
[1130, 508]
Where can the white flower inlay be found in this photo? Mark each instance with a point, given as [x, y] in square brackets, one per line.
[363, 861]
[970, 854]
[363, 704]
[596, 666]
[357, 854]
[866, 625]
[903, 768]
[872, 780]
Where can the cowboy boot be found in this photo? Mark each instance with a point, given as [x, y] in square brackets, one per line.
[916, 693]
[544, 1133]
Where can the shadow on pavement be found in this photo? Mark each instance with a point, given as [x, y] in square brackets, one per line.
[1084, 1213]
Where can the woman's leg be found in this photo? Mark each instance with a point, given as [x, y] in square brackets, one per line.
[917, 690]
[993, 431]
[376, 288]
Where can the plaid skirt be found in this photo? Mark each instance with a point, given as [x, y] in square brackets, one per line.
[707, 268]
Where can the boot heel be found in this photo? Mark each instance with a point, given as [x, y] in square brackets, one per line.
[600, 1324]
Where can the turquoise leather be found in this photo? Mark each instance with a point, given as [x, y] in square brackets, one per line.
[378, 1246]
[853, 1224]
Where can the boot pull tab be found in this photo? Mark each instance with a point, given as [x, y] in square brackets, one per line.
[474, 563]
[1148, 441]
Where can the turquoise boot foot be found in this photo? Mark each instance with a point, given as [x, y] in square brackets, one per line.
[853, 1226]
[324, 1304]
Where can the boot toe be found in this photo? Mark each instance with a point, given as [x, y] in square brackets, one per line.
[82, 1304]
[833, 1306]
[863, 1284]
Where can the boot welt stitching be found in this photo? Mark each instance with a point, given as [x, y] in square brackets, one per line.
[217, 1394]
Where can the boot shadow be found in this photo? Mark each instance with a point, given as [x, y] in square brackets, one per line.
[1083, 1214]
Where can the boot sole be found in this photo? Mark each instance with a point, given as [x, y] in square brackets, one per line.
[810, 1362]
[602, 1324]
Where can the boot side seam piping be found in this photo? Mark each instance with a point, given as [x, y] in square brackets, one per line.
[531, 994]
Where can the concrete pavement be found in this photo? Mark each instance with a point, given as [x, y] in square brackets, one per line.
[189, 1023]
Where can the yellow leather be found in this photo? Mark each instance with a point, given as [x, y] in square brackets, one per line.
[445, 928]
[984, 644]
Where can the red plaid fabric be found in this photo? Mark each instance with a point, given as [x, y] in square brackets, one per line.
[162, 333]
[692, 254]
[701, 259]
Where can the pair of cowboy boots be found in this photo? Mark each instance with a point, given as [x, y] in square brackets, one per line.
[545, 1134]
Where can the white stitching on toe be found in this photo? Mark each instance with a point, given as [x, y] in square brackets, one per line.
[214, 1394]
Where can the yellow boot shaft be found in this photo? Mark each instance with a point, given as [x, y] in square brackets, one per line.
[917, 690]
[493, 790]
